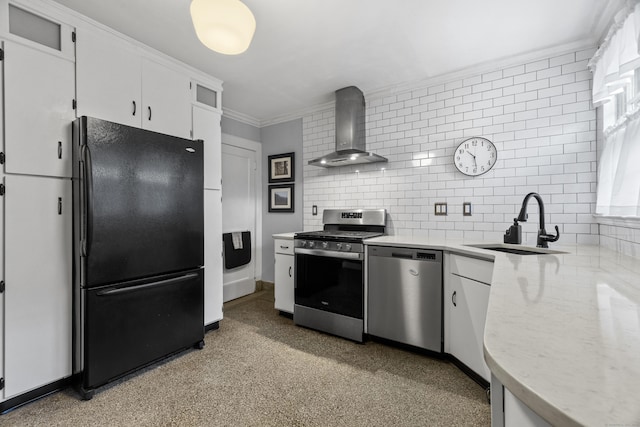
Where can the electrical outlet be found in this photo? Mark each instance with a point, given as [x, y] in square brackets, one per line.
[466, 209]
[314, 210]
[440, 209]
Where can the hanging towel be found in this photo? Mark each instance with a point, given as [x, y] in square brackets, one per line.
[236, 237]
[237, 250]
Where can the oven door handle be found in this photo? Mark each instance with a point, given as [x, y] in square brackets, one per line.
[356, 256]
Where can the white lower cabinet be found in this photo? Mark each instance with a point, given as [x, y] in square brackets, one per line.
[38, 278]
[517, 414]
[212, 256]
[2, 282]
[465, 304]
[284, 275]
[509, 411]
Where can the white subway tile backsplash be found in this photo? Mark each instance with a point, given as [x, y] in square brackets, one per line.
[538, 65]
[539, 116]
[581, 86]
[562, 60]
[575, 67]
[524, 78]
[526, 96]
[549, 72]
[562, 80]
[490, 94]
[537, 84]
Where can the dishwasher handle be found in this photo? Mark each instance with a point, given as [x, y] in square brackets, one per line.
[407, 255]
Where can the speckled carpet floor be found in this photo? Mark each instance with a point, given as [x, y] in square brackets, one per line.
[259, 369]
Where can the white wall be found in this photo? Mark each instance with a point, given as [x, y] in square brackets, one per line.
[538, 114]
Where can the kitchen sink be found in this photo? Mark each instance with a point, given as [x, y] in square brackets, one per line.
[516, 249]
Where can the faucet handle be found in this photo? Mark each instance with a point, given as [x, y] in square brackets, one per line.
[543, 238]
[553, 238]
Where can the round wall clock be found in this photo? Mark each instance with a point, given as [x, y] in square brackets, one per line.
[475, 156]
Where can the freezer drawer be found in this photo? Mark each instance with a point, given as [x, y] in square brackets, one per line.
[405, 296]
[129, 326]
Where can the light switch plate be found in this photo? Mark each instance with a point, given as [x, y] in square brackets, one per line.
[314, 210]
[466, 209]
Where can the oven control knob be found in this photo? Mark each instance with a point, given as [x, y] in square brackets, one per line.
[325, 245]
[339, 246]
[311, 244]
[347, 247]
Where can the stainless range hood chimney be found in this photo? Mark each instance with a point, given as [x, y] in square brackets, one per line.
[350, 132]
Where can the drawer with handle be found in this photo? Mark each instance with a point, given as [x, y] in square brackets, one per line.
[283, 246]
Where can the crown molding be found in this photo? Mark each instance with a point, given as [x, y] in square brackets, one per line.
[298, 114]
[483, 68]
[241, 117]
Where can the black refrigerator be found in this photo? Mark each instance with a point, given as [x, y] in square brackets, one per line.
[138, 249]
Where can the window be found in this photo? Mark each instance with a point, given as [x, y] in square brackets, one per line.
[206, 96]
[616, 89]
[33, 27]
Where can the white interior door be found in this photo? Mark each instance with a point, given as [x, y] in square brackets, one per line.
[239, 214]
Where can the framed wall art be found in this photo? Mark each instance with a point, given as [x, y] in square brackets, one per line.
[281, 167]
[281, 198]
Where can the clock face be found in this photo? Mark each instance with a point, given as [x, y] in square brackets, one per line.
[475, 156]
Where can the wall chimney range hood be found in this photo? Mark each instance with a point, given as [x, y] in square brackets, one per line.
[350, 132]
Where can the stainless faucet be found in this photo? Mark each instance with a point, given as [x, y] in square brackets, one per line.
[543, 237]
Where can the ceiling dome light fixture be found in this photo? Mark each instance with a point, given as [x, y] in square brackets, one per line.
[225, 26]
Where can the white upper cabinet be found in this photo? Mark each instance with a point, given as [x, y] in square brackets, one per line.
[116, 82]
[206, 126]
[166, 99]
[108, 77]
[38, 106]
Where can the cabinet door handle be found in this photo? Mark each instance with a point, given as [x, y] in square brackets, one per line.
[453, 298]
[284, 247]
[289, 271]
[149, 112]
[134, 108]
[59, 205]
[59, 149]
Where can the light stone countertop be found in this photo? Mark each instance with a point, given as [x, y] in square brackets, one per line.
[562, 331]
[285, 236]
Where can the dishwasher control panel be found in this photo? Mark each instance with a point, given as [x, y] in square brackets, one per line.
[426, 255]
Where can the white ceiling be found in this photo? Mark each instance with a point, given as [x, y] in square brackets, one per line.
[303, 50]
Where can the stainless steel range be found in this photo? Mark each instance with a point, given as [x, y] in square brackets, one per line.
[329, 266]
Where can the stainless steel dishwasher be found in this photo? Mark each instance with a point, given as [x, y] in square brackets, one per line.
[405, 296]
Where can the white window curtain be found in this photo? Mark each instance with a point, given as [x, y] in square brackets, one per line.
[613, 67]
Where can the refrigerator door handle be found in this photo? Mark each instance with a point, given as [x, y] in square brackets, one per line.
[120, 291]
[88, 198]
